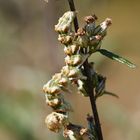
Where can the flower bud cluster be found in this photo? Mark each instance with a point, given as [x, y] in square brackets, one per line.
[75, 44]
[76, 132]
[91, 35]
[62, 82]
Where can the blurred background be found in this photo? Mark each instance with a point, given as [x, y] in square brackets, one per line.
[30, 54]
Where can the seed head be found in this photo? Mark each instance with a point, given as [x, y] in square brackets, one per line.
[55, 121]
[90, 19]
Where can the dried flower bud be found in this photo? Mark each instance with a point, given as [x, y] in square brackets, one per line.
[70, 71]
[57, 76]
[74, 132]
[81, 32]
[82, 39]
[73, 60]
[74, 48]
[65, 39]
[71, 49]
[65, 70]
[90, 19]
[71, 135]
[65, 22]
[52, 101]
[46, 87]
[104, 25]
[101, 29]
[63, 81]
[55, 85]
[108, 21]
[68, 50]
[60, 80]
[74, 73]
[95, 40]
[54, 89]
[51, 87]
[98, 37]
[55, 121]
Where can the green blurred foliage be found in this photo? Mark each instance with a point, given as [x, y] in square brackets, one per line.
[30, 54]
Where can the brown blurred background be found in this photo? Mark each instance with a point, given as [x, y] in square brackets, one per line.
[30, 54]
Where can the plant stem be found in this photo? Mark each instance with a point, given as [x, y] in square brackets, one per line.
[72, 8]
[89, 72]
[90, 87]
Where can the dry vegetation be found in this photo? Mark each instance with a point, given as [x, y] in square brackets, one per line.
[29, 54]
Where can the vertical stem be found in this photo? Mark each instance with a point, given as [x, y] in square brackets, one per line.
[96, 118]
[72, 8]
[90, 87]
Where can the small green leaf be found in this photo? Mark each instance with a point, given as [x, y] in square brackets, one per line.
[116, 57]
[110, 93]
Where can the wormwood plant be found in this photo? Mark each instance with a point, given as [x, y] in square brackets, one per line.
[78, 73]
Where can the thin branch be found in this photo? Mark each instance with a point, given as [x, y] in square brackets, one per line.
[72, 8]
[90, 89]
